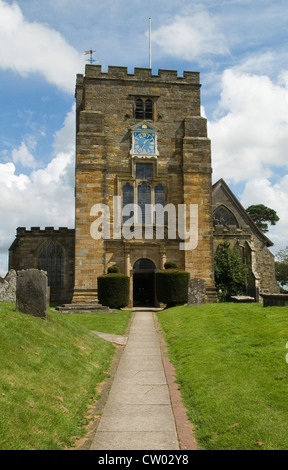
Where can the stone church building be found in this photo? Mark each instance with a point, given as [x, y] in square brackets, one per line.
[143, 193]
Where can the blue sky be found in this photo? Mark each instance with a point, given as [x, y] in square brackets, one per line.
[239, 48]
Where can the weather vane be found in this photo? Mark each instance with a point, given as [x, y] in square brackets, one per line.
[91, 60]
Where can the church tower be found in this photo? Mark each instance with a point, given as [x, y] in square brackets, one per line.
[141, 145]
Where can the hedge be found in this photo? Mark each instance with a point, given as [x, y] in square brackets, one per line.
[114, 290]
[172, 287]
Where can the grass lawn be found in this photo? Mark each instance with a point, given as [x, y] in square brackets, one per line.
[49, 373]
[230, 362]
[114, 323]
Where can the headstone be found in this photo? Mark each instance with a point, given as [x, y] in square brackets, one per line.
[196, 292]
[32, 292]
[275, 300]
[8, 287]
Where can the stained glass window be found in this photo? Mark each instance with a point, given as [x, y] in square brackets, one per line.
[160, 194]
[144, 171]
[51, 260]
[222, 216]
[144, 197]
[128, 198]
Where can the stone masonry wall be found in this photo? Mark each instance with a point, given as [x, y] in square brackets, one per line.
[8, 287]
[24, 252]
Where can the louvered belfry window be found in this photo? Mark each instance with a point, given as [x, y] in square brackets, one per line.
[143, 109]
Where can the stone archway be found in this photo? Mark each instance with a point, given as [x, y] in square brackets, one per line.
[144, 292]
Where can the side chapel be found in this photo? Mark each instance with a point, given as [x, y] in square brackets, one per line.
[141, 140]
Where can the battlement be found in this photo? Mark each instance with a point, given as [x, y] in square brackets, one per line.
[117, 72]
[36, 231]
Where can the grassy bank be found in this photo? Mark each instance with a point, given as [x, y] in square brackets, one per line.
[231, 369]
[49, 372]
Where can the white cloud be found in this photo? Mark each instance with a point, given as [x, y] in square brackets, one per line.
[275, 196]
[43, 198]
[23, 156]
[191, 37]
[250, 132]
[64, 139]
[8, 179]
[249, 137]
[27, 47]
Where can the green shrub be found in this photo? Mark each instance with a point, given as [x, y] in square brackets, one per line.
[170, 265]
[113, 269]
[113, 290]
[230, 272]
[172, 287]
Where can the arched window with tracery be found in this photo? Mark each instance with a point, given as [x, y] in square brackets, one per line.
[223, 216]
[51, 260]
[127, 198]
[159, 192]
[143, 197]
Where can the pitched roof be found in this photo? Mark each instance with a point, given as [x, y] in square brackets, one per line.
[221, 184]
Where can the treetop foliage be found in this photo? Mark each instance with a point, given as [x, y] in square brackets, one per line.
[262, 215]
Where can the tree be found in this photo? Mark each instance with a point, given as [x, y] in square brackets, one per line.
[262, 215]
[281, 267]
[230, 272]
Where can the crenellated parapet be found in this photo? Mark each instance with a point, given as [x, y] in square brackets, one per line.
[117, 72]
[37, 231]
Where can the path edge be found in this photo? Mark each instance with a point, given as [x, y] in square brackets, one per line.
[187, 439]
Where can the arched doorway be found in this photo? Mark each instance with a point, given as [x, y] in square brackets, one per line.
[144, 283]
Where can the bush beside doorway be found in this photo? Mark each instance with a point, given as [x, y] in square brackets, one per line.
[114, 290]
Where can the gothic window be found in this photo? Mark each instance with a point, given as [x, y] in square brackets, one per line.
[148, 109]
[222, 216]
[143, 109]
[159, 194]
[51, 260]
[144, 197]
[128, 198]
[144, 171]
[139, 109]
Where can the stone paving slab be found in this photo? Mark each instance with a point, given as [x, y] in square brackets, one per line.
[137, 418]
[149, 394]
[130, 441]
[117, 339]
[147, 377]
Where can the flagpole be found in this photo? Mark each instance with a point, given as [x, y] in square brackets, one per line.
[150, 43]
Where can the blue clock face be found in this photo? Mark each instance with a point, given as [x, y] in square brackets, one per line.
[144, 143]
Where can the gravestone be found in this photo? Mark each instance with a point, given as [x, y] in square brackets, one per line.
[32, 292]
[8, 287]
[196, 292]
[275, 300]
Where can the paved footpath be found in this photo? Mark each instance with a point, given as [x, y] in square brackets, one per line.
[138, 413]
